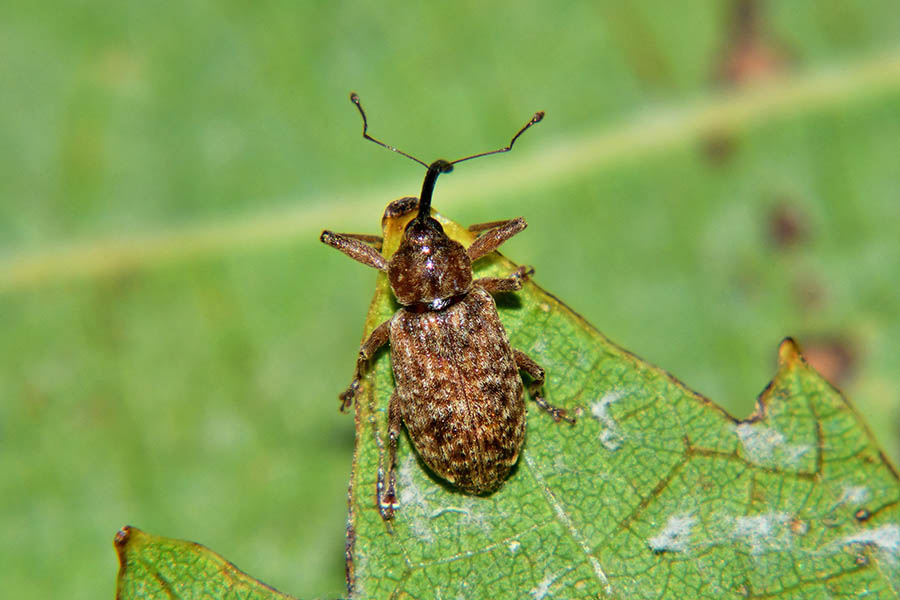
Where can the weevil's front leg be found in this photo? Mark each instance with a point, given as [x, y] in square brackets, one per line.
[354, 245]
[387, 499]
[489, 225]
[513, 283]
[495, 233]
[375, 241]
[375, 341]
[536, 372]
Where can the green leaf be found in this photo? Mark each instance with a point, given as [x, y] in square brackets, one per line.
[656, 492]
[157, 567]
[174, 334]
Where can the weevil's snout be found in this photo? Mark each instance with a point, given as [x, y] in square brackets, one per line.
[429, 268]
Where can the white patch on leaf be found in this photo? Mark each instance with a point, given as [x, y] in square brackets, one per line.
[761, 442]
[674, 536]
[448, 509]
[762, 532]
[543, 588]
[412, 499]
[610, 436]
[854, 494]
[514, 546]
[886, 537]
[424, 508]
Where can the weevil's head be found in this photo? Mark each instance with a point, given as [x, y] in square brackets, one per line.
[429, 269]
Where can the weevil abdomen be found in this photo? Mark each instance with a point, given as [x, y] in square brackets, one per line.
[459, 392]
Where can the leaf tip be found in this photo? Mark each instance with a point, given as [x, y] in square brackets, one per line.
[123, 540]
[789, 352]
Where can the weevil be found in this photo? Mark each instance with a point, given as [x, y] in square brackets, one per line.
[457, 385]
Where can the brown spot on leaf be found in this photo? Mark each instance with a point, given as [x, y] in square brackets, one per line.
[798, 526]
[750, 55]
[787, 225]
[834, 357]
[718, 147]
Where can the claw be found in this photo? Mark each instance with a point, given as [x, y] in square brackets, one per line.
[523, 273]
[347, 396]
[560, 415]
[387, 504]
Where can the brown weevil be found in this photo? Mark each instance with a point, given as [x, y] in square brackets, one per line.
[457, 385]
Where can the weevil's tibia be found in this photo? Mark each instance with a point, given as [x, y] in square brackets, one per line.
[379, 338]
[494, 235]
[387, 496]
[375, 241]
[477, 227]
[536, 372]
[356, 247]
[513, 283]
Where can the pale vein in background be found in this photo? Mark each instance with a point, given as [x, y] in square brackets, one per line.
[644, 133]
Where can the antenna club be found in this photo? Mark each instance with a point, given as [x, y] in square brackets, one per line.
[354, 98]
[538, 117]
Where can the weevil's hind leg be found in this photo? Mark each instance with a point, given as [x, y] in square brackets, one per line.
[495, 233]
[379, 338]
[387, 492]
[356, 248]
[513, 283]
[536, 372]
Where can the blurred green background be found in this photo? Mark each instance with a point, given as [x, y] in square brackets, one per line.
[711, 177]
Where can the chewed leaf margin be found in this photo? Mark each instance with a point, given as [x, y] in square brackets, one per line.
[675, 477]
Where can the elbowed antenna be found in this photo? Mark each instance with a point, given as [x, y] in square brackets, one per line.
[354, 98]
[439, 166]
[538, 116]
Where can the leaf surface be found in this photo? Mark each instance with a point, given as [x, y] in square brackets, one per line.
[655, 493]
[157, 567]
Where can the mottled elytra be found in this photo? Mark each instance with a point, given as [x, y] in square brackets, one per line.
[457, 385]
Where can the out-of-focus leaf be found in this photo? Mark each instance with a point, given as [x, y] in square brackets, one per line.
[656, 492]
[153, 567]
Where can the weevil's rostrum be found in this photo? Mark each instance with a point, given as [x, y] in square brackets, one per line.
[457, 385]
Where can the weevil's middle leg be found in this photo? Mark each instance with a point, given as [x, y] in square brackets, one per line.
[536, 372]
[513, 283]
[379, 338]
[495, 233]
[387, 493]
